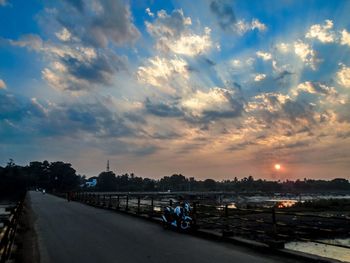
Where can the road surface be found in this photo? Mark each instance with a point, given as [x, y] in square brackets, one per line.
[73, 232]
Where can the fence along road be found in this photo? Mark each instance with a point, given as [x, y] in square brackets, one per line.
[73, 232]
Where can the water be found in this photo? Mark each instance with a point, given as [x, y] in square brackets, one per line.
[3, 213]
[323, 250]
[279, 200]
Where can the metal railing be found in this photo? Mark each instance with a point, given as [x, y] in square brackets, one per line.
[271, 226]
[8, 232]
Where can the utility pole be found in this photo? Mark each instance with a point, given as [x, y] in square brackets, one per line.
[107, 166]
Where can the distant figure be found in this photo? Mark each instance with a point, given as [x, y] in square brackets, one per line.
[69, 196]
[44, 191]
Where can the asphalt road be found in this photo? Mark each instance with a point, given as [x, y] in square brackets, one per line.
[73, 232]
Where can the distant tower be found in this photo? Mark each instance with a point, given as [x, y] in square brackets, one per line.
[107, 165]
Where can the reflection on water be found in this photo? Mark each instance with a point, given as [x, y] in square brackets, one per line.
[232, 206]
[286, 203]
[157, 208]
[328, 251]
[229, 205]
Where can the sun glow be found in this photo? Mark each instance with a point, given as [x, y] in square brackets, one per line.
[277, 166]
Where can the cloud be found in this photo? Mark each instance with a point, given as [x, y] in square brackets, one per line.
[226, 18]
[241, 65]
[343, 76]
[283, 47]
[97, 118]
[148, 11]
[323, 33]
[242, 26]
[306, 53]
[162, 109]
[73, 66]
[224, 13]
[81, 55]
[30, 41]
[264, 55]
[16, 108]
[2, 84]
[64, 35]
[281, 111]
[259, 77]
[11, 108]
[165, 74]
[345, 38]
[98, 23]
[77, 4]
[213, 104]
[314, 88]
[173, 34]
[3, 2]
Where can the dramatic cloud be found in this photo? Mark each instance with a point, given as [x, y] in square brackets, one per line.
[73, 67]
[222, 89]
[98, 22]
[326, 34]
[163, 109]
[216, 103]
[226, 18]
[165, 74]
[224, 13]
[323, 33]
[345, 38]
[2, 84]
[96, 118]
[306, 53]
[173, 34]
[314, 88]
[343, 76]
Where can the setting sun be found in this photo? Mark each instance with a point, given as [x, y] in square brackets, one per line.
[277, 166]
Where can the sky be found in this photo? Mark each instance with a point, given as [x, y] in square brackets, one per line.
[205, 88]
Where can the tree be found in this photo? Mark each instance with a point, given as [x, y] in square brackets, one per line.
[209, 184]
[106, 181]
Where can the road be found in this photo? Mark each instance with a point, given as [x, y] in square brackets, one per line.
[73, 232]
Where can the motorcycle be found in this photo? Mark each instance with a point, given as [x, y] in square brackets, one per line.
[178, 217]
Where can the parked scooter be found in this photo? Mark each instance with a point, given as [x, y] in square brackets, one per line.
[178, 217]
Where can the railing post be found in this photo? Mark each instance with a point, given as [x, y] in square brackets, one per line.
[152, 205]
[226, 230]
[171, 202]
[127, 203]
[118, 202]
[110, 201]
[98, 199]
[194, 216]
[226, 211]
[274, 222]
[138, 204]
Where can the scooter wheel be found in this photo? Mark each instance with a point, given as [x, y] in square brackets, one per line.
[165, 225]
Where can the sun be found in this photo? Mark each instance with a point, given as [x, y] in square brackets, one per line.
[277, 166]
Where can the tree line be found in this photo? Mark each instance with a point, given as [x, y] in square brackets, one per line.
[109, 181]
[62, 177]
[54, 176]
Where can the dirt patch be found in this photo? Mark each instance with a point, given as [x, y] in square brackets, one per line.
[26, 243]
